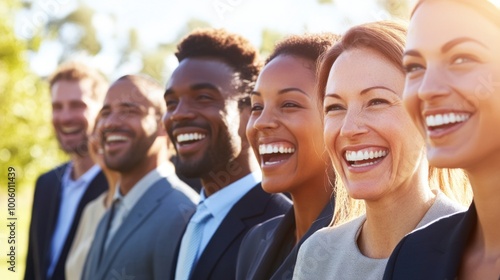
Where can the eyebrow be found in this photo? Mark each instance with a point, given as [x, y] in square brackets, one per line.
[364, 91]
[448, 46]
[197, 86]
[282, 91]
[460, 40]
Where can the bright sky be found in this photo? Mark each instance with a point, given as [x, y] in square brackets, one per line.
[162, 21]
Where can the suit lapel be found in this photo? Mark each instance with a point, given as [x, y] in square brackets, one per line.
[230, 229]
[95, 254]
[454, 245]
[137, 216]
[323, 220]
[265, 264]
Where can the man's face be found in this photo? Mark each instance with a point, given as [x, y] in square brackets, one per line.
[73, 114]
[128, 127]
[203, 119]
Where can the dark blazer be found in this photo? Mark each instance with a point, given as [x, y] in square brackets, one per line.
[261, 246]
[433, 252]
[218, 260]
[46, 203]
[144, 246]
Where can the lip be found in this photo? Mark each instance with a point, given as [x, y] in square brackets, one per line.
[189, 148]
[277, 142]
[362, 169]
[435, 134]
[115, 146]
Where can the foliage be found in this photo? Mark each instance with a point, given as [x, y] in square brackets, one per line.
[27, 141]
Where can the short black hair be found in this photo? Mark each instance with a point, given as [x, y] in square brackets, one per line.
[230, 48]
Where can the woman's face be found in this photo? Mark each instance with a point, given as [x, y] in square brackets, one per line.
[452, 91]
[374, 145]
[285, 128]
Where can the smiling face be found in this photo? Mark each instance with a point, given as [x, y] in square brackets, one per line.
[128, 127]
[203, 119]
[285, 129]
[372, 141]
[73, 114]
[453, 83]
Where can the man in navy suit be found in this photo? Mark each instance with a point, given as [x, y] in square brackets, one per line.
[61, 194]
[208, 107]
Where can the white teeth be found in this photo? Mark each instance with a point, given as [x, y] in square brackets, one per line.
[274, 149]
[190, 137]
[112, 138]
[442, 119]
[359, 155]
[70, 129]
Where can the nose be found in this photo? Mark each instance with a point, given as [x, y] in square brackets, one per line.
[266, 120]
[434, 84]
[354, 124]
[181, 112]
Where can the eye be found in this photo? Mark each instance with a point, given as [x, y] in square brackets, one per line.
[333, 107]
[290, 105]
[461, 59]
[104, 113]
[413, 67]
[203, 97]
[171, 104]
[256, 107]
[377, 101]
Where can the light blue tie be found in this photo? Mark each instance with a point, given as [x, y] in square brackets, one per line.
[190, 244]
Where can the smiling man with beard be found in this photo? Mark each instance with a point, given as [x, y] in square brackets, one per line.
[208, 107]
[61, 194]
[138, 236]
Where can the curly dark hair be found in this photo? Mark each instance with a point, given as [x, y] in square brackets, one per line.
[308, 46]
[231, 48]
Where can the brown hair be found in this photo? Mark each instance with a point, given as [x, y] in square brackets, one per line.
[388, 39]
[77, 71]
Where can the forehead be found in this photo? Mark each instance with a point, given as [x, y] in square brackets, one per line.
[436, 22]
[287, 71]
[192, 71]
[127, 92]
[71, 90]
[361, 68]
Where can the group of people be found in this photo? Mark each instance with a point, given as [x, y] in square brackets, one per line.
[380, 138]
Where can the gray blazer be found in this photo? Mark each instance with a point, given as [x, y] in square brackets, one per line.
[144, 246]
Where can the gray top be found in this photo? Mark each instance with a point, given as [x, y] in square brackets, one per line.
[333, 253]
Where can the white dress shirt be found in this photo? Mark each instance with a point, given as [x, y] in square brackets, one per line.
[71, 194]
[220, 203]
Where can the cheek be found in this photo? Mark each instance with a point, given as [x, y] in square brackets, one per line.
[251, 133]
[330, 133]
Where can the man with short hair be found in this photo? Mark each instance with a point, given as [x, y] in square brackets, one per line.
[61, 194]
[138, 236]
[208, 107]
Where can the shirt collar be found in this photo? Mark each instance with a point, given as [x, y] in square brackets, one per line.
[221, 202]
[136, 192]
[85, 179]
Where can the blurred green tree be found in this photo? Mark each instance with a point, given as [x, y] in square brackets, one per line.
[27, 142]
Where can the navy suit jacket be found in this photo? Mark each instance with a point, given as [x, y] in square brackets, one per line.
[218, 260]
[46, 203]
[435, 251]
[261, 246]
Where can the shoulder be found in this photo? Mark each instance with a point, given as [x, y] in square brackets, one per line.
[257, 196]
[263, 230]
[54, 174]
[180, 191]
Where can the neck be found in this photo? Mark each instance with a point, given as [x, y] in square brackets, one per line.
[223, 176]
[80, 165]
[388, 221]
[308, 202]
[484, 179]
[130, 177]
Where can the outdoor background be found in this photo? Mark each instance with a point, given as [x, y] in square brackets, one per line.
[122, 37]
